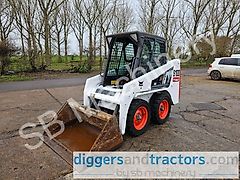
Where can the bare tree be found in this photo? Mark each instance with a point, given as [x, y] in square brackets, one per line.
[6, 20]
[66, 21]
[233, 23]
[39, 28]
[57, 31]
[19, 23]
[89, 12]
[233, 18]
[45, 25]
[47, 9]
[25, 14]
[223, 19]
[168, 21]
[123, 17]
[191, 19]
[96, 32]
[106, 10]
[193, 16]
[78, 27]
[216, 14]
[149, 15]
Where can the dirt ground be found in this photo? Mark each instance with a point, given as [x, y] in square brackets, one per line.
[207, 119]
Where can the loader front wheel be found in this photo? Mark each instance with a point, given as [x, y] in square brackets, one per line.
[161, 108]
[138, 118]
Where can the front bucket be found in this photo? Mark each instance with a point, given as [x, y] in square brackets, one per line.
[85, 130]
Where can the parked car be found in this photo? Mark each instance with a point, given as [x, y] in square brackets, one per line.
[226, 67]
[235, 56]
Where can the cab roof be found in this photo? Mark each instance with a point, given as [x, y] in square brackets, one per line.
[139, 34]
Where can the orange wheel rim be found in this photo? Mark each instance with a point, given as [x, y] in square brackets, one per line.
[163, 109]
[140, 118]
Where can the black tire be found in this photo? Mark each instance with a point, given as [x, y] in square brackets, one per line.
[215, 75]
[131, 119]
[159, 115]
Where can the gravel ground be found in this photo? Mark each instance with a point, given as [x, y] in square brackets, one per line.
[207, 119]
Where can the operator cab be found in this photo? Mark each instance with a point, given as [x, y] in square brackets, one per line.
[132, 55]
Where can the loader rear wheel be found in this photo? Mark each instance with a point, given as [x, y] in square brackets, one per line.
[138, 117]
[161, 108]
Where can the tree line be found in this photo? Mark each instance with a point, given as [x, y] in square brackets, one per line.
[44, 27]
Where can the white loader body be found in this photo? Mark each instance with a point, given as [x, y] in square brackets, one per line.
[111, 97]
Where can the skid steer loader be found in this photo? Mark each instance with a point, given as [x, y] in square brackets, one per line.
[138, 84]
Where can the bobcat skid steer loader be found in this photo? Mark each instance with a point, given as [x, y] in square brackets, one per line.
[138, 85]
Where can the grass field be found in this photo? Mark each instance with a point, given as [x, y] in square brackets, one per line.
[18, 64]
[16, 77]
[59, 68]
[63, 67]
[195, 64]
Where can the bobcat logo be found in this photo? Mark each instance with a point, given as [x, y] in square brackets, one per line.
[141, 83]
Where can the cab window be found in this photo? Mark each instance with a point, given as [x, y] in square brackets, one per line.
[147, 54]
[152, 55]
